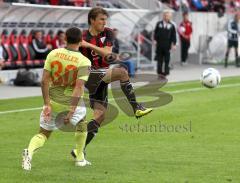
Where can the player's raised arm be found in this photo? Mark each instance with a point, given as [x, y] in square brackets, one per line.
[100, 51]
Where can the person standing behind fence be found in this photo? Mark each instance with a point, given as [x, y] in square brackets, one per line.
[185, 32]
[165, 37]
[233, 31]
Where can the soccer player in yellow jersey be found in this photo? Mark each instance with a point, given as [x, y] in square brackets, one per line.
[65, 72]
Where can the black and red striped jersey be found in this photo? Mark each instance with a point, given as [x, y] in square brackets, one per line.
[103, 39]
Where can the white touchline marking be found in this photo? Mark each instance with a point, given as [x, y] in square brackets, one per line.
[120, 98]
[21, 110]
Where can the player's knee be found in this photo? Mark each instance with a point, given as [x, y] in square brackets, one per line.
[119, 70]
[93, 126]
[123, 71]
[46, 133]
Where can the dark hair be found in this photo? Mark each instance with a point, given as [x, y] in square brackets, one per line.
[37, 31]
[73, 35]
[60, 32]
[94, 12]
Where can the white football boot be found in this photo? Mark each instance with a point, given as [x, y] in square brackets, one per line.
[26, 160]
[83, 162]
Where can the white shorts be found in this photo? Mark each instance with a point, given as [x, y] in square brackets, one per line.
[57, 121]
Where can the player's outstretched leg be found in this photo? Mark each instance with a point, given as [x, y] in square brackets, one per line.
[36, 142]
[121, 74]
[138, 109]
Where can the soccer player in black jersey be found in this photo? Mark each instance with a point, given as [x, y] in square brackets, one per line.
[96, 45]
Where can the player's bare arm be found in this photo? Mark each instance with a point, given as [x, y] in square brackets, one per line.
[100, 51]
[77, 94]
[45, 93]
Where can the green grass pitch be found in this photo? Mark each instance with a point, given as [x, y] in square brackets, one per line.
[198, 142]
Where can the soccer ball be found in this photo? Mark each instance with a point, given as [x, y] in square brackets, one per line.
[210, 78]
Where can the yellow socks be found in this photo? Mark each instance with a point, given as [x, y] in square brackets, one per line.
[36, 142]
[80, 137]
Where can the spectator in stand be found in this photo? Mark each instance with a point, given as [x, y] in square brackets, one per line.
[233, 5]
[166, 2]
[185, 32]
[83, 3]
[115, 48]
[237, 3]
[175, 4]
[66, 3]
[59, 40]
[37, 1]
[78, 2]
[88, 3]
[185, 5]
[54, 2]
[199, 5]
[40, 47]
[217, 6]
[170, 3]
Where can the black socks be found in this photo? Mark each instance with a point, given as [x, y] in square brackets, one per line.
[127, 89]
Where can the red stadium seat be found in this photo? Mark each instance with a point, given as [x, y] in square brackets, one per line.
[30, 36]
[26, 53]
[14, 47]
[49, 37]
